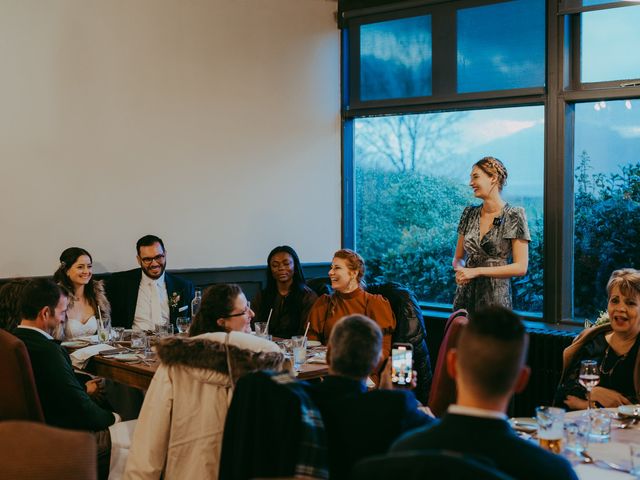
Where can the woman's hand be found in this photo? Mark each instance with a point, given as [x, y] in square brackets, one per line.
[608, 398]
[575, 403]
[465, 275]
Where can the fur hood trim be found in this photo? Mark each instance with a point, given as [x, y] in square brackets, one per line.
[202, 353]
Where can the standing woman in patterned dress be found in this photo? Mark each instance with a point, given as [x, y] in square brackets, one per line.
[493, 242]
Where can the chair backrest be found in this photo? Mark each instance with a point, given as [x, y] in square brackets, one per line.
[426, 464]
[410, 328]
[443, 387]
[38, 451]
[273, 430]
[19, 399]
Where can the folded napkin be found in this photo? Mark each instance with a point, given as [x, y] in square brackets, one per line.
[80, 357]
[591, 472]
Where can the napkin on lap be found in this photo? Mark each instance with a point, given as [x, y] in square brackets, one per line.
[80, 357]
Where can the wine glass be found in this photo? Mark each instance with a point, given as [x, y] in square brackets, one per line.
[589, 378]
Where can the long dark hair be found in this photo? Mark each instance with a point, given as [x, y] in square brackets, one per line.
[217, 302]
[67, 258]
[271, 290]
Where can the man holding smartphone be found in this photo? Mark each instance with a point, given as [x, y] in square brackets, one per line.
[488, 366]
[360, 423]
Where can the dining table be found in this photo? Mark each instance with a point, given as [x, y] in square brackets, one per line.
[608, 453]
[139, 373]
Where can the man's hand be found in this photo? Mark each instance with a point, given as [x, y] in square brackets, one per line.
[387, 384]
[95, 388]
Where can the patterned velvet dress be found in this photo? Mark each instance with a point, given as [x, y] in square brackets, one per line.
[492, 250]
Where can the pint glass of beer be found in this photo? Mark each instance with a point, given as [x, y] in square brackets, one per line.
[550, 428]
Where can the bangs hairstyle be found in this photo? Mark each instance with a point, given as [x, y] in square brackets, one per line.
[491, 350]
[217, 302]
[627, 280]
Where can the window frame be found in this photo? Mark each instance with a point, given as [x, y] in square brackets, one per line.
[563, 89]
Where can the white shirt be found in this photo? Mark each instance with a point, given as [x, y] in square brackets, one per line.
[152, 306]
[37, 330]
[476, 412]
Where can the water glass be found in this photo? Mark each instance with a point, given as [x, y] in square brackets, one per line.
[550, 428]
[577, 434]
[183, 324]
[600, 425]
[634, 450]
[138, 339]
[261, 329]
[104, 333]
[163, 329]
[299, 348]
[117, 334]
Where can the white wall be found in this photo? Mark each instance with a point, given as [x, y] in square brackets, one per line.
[211, 123]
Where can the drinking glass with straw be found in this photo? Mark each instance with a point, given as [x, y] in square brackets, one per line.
[103, 333]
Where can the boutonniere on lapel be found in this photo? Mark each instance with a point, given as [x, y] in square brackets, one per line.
[174, 300]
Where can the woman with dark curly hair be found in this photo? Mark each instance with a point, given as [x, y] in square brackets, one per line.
[286, 296]
[86, 294]
[224, 308]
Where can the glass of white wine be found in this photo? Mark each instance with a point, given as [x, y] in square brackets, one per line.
[589, 377]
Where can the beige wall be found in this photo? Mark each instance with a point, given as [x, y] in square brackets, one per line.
[211, 123]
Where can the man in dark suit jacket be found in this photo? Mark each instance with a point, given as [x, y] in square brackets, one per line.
[360, 423]
[65, 401]
[488, 367]
[147, 296]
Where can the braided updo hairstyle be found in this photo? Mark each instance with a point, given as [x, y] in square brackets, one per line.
[494, 168]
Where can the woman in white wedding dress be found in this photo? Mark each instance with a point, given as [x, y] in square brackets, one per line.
[86, 294]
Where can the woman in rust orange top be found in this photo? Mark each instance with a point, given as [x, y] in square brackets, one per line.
[346, 275]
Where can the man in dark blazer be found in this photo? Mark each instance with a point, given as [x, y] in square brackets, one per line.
[488, 367]
[360, 423]
[65, 401]
[147, 296]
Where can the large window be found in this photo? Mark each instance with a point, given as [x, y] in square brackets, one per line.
[412, 174]
[607, 198]
[551, 88]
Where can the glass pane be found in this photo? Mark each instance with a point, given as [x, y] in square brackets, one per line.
[395, 59]
[501, 46]
[412, 175]
[607, 199]
[610, 39]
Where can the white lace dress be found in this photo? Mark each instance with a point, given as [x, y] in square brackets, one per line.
[74, 327]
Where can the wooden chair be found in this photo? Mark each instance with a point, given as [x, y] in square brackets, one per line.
[443, 387]
[19, 399]
[30, 450]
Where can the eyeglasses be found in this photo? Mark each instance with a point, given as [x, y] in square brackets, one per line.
[149, 261]
[244, 312]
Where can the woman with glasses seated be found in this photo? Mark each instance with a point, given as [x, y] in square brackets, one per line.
[86, 295]
[286, 300]
[179, 431]
[613, 345]
[349, 298]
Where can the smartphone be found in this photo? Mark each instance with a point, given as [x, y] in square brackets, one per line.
[401, 364]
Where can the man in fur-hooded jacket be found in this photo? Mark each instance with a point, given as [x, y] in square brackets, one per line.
[179, 432]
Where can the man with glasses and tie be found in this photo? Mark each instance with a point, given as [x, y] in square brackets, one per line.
[148, 296]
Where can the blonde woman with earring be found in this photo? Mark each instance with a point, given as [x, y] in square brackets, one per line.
[493, 242]
[348, 298]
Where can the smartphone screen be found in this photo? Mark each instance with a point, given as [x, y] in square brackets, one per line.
[401, 365]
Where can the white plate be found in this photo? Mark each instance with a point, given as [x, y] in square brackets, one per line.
[74, 344]
[126, 357]
[524, 424]
[629, 410]
[313, 343]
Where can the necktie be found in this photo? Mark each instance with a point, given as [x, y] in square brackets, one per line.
[156, 309]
